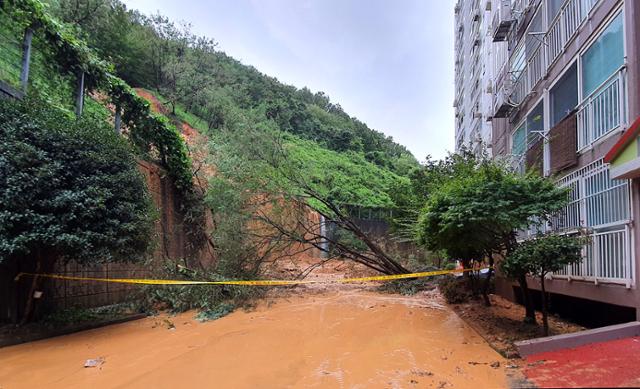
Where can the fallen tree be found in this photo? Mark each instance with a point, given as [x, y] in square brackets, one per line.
[268, 184]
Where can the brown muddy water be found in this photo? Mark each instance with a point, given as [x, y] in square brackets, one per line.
[346, 338]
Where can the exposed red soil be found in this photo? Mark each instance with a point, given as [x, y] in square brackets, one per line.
[599, 365]
[156, 105]
[502, 323]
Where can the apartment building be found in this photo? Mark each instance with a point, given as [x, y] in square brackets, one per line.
[565, 102]
[473, 100]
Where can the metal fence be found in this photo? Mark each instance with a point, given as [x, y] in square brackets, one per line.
[603, 111]
[560, 31]
[603, 206]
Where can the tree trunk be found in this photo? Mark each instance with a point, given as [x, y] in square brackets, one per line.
[28, 310]
[487, 281]
[485, 288]
[545, 318]
[530, 313]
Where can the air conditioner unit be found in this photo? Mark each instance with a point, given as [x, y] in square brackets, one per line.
[502, 21]
[502, 103]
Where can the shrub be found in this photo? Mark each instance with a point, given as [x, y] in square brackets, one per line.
[69, 189]
[211, 301]
[454, 289]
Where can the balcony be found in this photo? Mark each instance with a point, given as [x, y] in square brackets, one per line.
[502, 104]
[602, 205]
[565, 25]
[603, 111]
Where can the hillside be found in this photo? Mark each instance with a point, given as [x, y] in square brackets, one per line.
[198, 81]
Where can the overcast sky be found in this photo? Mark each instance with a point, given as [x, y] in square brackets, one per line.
[387, 62]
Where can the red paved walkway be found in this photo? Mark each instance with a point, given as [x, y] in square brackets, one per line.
[607, 364]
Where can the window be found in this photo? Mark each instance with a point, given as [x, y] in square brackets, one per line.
[519, 141]
[564, 95]
[518, 63]
[553, 7]
[535, 123]
[603, 58]
[603, 205]
[533, 39]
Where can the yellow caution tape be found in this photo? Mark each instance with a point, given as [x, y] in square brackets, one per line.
[242, 282]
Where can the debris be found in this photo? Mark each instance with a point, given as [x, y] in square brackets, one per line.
[495, 364]
[169, 324]
[477, 363]
[97, 362]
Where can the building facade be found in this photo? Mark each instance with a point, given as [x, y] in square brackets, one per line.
[473, 75]
[565, 96]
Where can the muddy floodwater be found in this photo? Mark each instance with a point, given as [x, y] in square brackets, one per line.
[350, 338]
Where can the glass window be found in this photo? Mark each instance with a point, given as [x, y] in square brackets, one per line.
[535, 122]
[533, 38]
[519, 140]
[553, 7]
[564, 95]
[518, 63]
[604, 57]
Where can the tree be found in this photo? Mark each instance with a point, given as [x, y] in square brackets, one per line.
[70, 190]
[476, 215]
[275, 180]
[541, 256]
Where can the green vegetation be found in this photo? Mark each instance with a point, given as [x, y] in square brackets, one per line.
[475, 215]
[193, 76]
[274, 147]
[70, 189]
[540, 256]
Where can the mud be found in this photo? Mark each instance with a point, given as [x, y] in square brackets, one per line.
[350, 338]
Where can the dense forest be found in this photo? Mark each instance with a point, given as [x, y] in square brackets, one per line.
[189, 71]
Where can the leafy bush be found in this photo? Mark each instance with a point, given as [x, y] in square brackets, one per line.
[454, 289]
[211, 301]
[69, 188]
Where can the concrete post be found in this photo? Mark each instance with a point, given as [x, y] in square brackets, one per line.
[26, 58]
[80, 94]
[118, 119]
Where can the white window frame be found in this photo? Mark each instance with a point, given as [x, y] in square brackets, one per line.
[618, 11]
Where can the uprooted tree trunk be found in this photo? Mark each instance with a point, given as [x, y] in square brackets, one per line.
[305, 232]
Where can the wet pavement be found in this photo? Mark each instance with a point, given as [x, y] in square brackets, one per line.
[350, 338]
[600, 365]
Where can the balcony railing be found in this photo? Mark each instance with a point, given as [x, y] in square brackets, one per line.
[606, 259]
[565, 25]
[561, 30]
[521, 87]
[602, 205]
[603, 111]
[536, 67]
